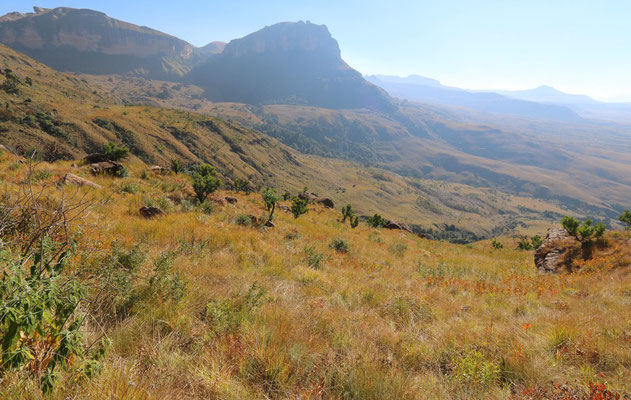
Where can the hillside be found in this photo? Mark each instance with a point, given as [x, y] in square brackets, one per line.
[200, 305]
[64, 117]
[521, 156]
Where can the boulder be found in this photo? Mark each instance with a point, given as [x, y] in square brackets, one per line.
[94, 158]
[151, 212]
[230, 200]
[326, 202]
[159, 170]
[314, 198]
[73, 179]
[556, 253]
[106, 167]
[397, 226]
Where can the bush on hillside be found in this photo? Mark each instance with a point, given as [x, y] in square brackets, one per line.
[299, 207]
[339, 245]
[585, 232]
[625, 218]
[205, 182]
[115, 152]
[270, 197]
[376, 221]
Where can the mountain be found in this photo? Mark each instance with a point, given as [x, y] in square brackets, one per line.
[426, 90]
[287, 63]
[79, 40]
[547, 94]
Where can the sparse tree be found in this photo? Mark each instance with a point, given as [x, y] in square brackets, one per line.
[347, 212]
[205, 181]
[376, 221]
[299, 207]
[242, 185]
[115, 152]
[585, 232]
[176, 166]
[270, 197]
[625, 218]
[354, 221]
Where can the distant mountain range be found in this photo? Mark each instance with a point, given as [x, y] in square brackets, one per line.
[543, 102]
[421, 89]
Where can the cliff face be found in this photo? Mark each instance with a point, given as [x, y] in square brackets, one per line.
[287, 63]
[89, 41]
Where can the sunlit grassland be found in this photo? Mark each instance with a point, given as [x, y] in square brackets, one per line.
[395, 317]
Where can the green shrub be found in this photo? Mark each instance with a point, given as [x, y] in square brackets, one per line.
[115, 152]
[376, 221]
[130, 188]
[270, 198]
[585, 232]
[205, 181]
[243, 220]
[313, 258]
[176, 166]
[187, 206]
[41, 175]
[354, 222]
[347, 212]
[496, 245]
[526, 243]
[242, 185]
[227, 315]
[625, 218]
[299, 207]
[339, 245]
[165, 283]
[398, 249]
[207, 207]
[474, 370]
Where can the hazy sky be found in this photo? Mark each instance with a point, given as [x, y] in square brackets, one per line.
[578, 46]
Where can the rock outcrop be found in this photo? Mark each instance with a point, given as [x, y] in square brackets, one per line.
[557, 252]
[106, 167]
[397, 226]
[73, 179]
[314, 198]
[151, 212]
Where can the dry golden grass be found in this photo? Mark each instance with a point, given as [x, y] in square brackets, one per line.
[396, 317]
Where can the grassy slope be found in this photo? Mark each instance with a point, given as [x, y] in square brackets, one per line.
[523, 156]
[396, 317]
[159, 134]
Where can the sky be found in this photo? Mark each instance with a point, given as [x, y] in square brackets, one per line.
[577, 46]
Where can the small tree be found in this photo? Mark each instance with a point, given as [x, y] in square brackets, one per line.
[115, 152]
[347, 212]
[354, 222]
[11, 83]
[585, 232]
[376, 221]
[299, 207]
[496, 245]
[242, 185]
[625, 218]
[270, 197]
[205, 181]
[286, 196]
[176, 166]
[532, 243]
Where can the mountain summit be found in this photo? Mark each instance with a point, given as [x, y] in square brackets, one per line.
[287, 63]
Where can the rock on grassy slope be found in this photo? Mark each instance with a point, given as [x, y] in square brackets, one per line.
[279, 313]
